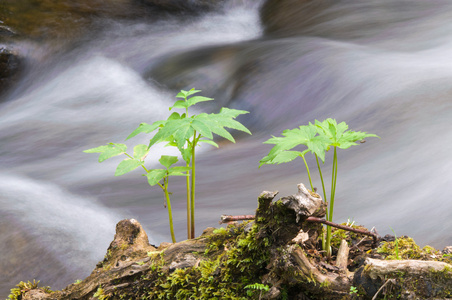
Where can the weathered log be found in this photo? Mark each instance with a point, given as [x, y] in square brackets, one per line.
[410, 279]
[342, 255]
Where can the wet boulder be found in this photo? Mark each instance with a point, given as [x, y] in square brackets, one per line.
[185, 5]
[11, 66]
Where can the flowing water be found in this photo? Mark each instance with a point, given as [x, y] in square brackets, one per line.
[382, 66]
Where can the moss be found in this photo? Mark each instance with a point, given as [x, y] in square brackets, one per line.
[408, 249]
[233, 259]
[351, 237]
[23, 287]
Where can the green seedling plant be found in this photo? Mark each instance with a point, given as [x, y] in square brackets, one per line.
[183, 131]
[396, 244]
[317, 138]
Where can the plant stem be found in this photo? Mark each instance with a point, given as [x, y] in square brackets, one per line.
[170, 213]
[323, 183]
[193, 183]
[333, 191]
[333, 184]
[309, 174]
[188, 204]
[324, 199]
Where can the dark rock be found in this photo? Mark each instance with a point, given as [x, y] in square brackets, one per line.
[11, 66]
[185, 5]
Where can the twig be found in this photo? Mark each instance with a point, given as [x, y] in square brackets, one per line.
[379, 290]
[365, 232]
[228, 218]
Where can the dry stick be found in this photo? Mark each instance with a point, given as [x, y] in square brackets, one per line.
[226, 219]
[379, 290]
[365, 232]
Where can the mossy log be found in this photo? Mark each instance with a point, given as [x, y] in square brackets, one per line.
[264, 259]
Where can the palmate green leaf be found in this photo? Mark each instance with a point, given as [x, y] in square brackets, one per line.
[168, 130]
[349, 138]
[155, 175]
[226, 119]
[183, 133]
[304, 135]
[108, 151]
[331, 130]
[167, 160]
[216, 123]
[146, 128]
[214, 126]
[203, 128]
[127, 165]
[339, 135]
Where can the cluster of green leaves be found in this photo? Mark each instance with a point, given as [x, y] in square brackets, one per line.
[317, 138]
[184, 132]
[252, 288]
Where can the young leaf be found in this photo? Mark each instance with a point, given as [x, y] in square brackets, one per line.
[155, 175]
[127, 165]
[209, 142]
[281, 157]
[108, 151]
[201, 127]
[99, 149]
[210, 121]
[164, 134]
[146, 128]
[178, 171]
[338, 134]
[140, 151]
[226, 118]
[179, 104]
[304, 135]
[185, 94]
[193, 100]
[183, 133]
[167, 161]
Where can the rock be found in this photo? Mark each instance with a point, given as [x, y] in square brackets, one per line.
[185, 5]
[291, 17]
[11, 66]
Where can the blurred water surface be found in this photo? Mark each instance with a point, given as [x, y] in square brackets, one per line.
[382, 66]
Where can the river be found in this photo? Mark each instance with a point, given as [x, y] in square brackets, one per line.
[384, 67]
